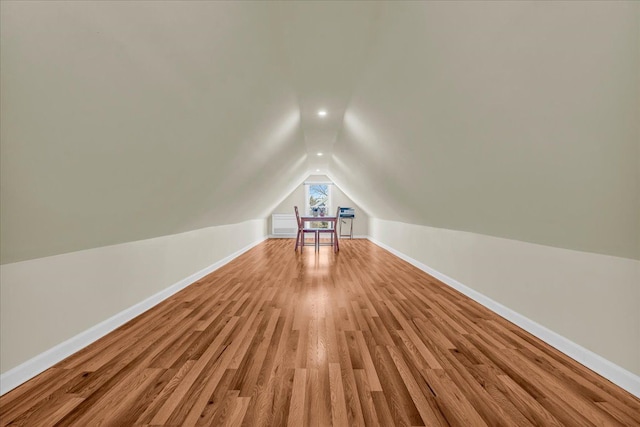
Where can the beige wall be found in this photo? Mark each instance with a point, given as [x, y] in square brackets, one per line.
[521, 120]
[338, 198]
[46, 301]
[588, 298]
[124, 121]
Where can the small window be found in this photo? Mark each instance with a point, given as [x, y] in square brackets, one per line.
[318, 202]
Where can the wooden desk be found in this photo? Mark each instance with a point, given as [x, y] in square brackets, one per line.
[333, 219]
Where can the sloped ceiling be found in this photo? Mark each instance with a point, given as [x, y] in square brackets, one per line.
[512, 119]
[128, 120]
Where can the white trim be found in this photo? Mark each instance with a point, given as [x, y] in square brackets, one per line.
[614, 373]
[34, 366]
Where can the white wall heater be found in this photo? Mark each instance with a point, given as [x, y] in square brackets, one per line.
[284, 225]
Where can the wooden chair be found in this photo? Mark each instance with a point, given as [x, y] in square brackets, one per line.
[301, 232]
[333, 231]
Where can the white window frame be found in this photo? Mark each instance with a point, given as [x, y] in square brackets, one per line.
[307, 207]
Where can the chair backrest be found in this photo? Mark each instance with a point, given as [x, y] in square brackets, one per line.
[335, 224]
[298, 217]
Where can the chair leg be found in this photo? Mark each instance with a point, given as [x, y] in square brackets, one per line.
[297, 241]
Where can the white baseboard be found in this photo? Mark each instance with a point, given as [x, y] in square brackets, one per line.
[614, 373]
[34, 366]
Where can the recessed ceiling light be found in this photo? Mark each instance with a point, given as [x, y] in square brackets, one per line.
[319, 154]
[317, 170]
[322, 113]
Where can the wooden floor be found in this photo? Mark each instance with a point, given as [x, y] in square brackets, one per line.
[354, 338]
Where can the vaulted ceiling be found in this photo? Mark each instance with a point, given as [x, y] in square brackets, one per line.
[129, 120]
